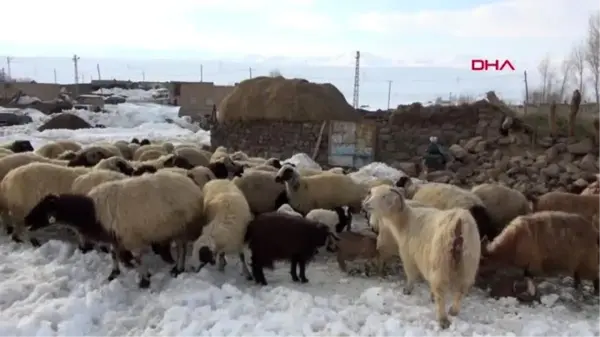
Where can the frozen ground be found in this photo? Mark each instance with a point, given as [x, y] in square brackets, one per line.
[131, 95]
[54, 290]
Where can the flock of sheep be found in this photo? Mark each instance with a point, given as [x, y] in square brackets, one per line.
[230, 203]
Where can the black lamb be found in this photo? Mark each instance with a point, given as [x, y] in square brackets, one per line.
[276, 236]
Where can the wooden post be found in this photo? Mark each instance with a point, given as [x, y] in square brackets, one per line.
[319, 140]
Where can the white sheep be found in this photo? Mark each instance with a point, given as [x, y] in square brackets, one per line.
[196, 157]
[219, 155]
[446, 196]
[443, 246]
[286, 208]
[171, 210]
[326, 190]
[503, 203]
[24, 187]
[336, 220]
[227, 214]
[261, 190]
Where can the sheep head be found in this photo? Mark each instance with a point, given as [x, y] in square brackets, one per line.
[145, 141]
[43, 214]
[174, 160]
[21, 146]
[276, 163]
[144, 169]
[384, 199]
[287, 174]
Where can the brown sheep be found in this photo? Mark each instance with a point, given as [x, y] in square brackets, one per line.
[585, 205]
[549, 242]
[353, 245]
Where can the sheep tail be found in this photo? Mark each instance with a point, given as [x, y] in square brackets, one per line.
[456, 251]
[504, 245]
[485, 225]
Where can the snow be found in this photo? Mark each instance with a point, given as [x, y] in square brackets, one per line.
[122, 122]
[56, 290]
[132, 95]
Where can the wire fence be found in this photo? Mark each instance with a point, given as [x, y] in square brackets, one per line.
[378, 85]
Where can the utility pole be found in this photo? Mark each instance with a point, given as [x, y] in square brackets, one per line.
[8, 68]
[389, 93]
[143, 76]
[55, 79]
[250, 71]
[201, 73]
[98, 71]
[526, 92]
[356, 81]
[76, 70]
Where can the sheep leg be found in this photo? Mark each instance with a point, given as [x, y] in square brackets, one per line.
[576, 281]
[164, 251]
[440, 306]
[179, 267]
[245, 270]
[116, 271]
[596, 287]
[21, 232]
[294, 266]
[222, 262]
[258, 273]
[458, 296]
[412, 272]
[302, 265]
[341, 263]
[143, 273]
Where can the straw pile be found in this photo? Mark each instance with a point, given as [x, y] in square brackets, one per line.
[278, 98]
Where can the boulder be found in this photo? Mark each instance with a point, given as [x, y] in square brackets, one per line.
[65, 121]
[9, 119]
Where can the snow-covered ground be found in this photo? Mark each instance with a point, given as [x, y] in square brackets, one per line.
[122, 122]
[56, 290]
[133, 95]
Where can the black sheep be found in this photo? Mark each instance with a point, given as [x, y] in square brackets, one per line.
[19, 146]
[277, 236]
[145, 141]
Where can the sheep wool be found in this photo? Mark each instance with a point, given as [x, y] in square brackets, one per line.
[124, 148]
[261, 190]
[151, 155]
[549, 242]
[219, 155]
[201, 175]
[336, 220]
[151, 147]
[24, 187]
[503, 203]
[443, 246]
[326, 190]
[446, 196]
[227, 214]
[171, 210]
[50, 150]
[86, 182]
[286, 208]
[195, 157]
[584, 205]
[92, 155]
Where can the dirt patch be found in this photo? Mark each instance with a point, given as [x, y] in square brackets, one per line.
[65, 121]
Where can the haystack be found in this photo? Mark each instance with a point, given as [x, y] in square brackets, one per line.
[278, 98]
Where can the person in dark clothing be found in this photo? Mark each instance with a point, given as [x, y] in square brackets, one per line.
[435, 159]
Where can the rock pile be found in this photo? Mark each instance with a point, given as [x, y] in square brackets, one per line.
[559, 165]
[65, 121]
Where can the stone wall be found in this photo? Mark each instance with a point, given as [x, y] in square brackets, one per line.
[271, 139]
[401, 137]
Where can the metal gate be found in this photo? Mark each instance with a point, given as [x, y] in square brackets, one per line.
[351, 144]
